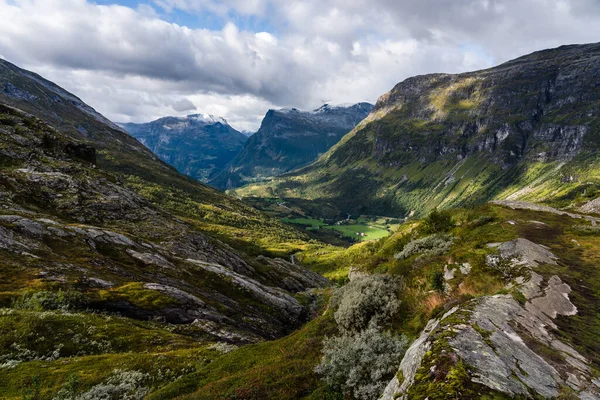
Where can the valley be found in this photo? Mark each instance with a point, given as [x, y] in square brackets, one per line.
[330, 228]
[443, 244]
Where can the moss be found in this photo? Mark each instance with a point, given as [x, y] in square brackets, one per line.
[485, 335]
[136, 294]
[519, 296]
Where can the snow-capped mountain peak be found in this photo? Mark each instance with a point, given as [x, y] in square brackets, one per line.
[207, 119]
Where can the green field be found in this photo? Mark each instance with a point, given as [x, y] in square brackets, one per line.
[373, 228]
[371, 232]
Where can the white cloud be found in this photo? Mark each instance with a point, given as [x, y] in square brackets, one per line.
[131, 65]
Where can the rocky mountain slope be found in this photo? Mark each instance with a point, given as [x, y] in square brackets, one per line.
[107, 250]
[288, 139]
[198, 145]
[518, 342]
[526, 129]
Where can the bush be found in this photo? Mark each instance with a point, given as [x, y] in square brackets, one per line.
[437, 281]
[361, 364]
[372, 299]
[46, 300]
[123, 385]
[434, 245]
[437, 222]
[587, 229]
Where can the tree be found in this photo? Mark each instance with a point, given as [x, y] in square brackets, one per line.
[438, 221]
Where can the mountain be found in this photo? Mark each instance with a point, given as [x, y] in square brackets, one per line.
[197, 145]
[526, 129]
[288, 139]
[111, 257]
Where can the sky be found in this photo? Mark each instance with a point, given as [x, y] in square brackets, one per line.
[138, 60]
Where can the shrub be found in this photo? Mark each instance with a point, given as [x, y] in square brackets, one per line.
[587, 229]
[437, 222]
[361, 364]
[46, 300]
[433, 245]
[436, 281]
[123, 385]
[371, 299]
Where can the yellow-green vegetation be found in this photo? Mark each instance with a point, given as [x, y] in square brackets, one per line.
[284, 368]
[51, 346]
[135, 293]
[371, 232]
[227, 219]
[280, 369]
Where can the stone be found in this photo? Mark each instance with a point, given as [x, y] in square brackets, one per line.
[449, 273]
[465, 268]
[151, 259]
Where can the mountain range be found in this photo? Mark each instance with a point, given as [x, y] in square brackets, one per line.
[288, 139]
[197, 145]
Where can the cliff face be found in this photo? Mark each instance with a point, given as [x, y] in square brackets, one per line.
[288, 139]
[445, 140]
[197, 145]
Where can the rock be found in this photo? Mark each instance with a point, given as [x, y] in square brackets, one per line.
[31, 228]
[175, 293]
[526, 252]
[465, 268]
[592, 206]
[555, 300]
[101, 283]
[292, 277]
[270, 296]
[449, 273]
[412, 360]
[523, 205]
[226, 333]
[356, 273]
[150, 259]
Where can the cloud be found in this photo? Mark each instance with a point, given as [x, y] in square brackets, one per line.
[183, 105]
[134, 66]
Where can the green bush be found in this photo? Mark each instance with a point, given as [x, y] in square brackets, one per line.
[361, 364]
[434, 245]
[369, 300]
[46, 300]
[436, 281]
[438, 222]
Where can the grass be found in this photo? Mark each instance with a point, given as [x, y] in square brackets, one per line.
[135, 293]
[309, 222]
[371, 232]
[281, 369]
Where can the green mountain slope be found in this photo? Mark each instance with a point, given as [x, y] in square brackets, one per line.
[288, 139]
[527, 129]
[197, 145]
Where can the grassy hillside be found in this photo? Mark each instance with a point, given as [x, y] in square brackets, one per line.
[527, 129]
